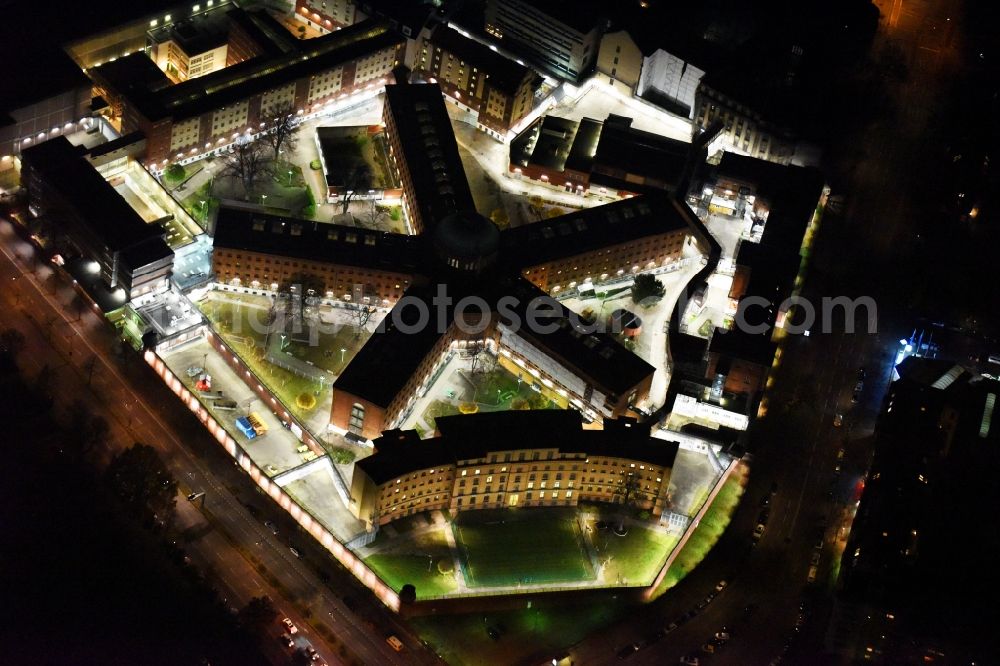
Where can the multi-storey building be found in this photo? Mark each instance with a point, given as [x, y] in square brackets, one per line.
[609, 157]
[326, 15]
[512, 459]
[562, 38]
[619, 61]
[423, 151]
[212, 111]
[497, 89]
[95, 220]
[258, 252]
[31, 112]
[193, 47]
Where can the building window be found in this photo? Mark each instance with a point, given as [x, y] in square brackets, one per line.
[357, 418]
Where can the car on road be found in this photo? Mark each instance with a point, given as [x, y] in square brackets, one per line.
[721, 585]
[708, 648]
[628, 651]
[862, 375]
[814, 559]
[294, 551]
[758, 532]
[311, 651]
[689, 660]
[722, 635]
[811, 577]
[286, 640]
[763, 516]
[838, 420]
[395, 643]
[271, 526]
[765, 500]
[670, 627]
[290, 626]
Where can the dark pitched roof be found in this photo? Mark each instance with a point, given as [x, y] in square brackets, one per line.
[475, 436]
[593, 228]
[504, 74]
[389, 358]
[155, 99]
[430, 149]
[65, 170]
[247, 229]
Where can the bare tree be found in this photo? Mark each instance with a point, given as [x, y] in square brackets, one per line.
[282, 129]
[357, 181]
[628, 494]
[375, 214]
[248, 163]
[362, 315]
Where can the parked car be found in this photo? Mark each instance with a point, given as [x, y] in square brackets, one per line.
[838, 420]
[811, 577]
[290, 626]
[286, 640]
[628, 651]
[395, 643]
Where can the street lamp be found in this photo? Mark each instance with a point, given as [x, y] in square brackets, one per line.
[204, 210]
[263, 197]
[290, 177]
[343, 350]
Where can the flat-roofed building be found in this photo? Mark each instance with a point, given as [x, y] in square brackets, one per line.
[609, 157]
[562, 38]
[102, 227]
[512, 459]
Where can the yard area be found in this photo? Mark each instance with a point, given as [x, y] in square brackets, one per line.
[423, 560]
[243, 328]
[334, 351]
[528, 635]
[635, 558]
[503, 548]
[711, 527]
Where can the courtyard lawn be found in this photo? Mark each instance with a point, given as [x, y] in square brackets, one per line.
[243, 329]
[326, 354]
[704, 537]
[505, 548]
[398, 570]
[636, 557]
[405, 558]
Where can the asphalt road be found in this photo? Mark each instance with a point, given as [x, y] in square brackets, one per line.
[223, 532]
[815, 382]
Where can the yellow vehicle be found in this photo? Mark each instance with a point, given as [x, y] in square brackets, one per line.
[257, 423]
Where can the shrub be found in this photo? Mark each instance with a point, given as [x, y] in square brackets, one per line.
[519, 403]
[305, 401]
[342, 456]
[315, 165]
[468, 408]
[175, 172]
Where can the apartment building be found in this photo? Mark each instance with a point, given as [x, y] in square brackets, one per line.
[512, 459]
[326, 14]
[254, 251]
[561, 38]
[424, 153]
[497, 89]
[208, 113]
[193, 47]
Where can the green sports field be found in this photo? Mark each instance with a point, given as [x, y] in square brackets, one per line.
[536, 547]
